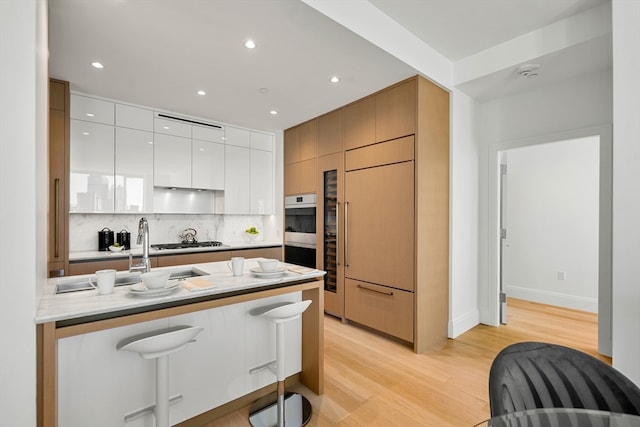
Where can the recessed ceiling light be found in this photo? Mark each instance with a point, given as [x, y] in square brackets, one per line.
[90, 115]
[97, 65]
[334, 79]
[202, 93]
[249, 44]
[85, 133]
[166, 127]
[273, 112]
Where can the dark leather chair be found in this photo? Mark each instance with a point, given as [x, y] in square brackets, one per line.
[531, 375]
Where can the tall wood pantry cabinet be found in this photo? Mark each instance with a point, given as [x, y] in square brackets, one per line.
[58, 218]
[390, 154]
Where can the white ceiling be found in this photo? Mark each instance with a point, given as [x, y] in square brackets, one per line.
[159, 53]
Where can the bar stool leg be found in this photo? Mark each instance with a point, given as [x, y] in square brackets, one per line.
[161, 409]
[280, 370]
[292, 409]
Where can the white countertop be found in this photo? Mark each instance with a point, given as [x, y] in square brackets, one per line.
[93, 255]
[55, 307]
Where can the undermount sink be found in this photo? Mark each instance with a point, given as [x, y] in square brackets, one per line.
[126, 279]
[83, 285]
[185, 273]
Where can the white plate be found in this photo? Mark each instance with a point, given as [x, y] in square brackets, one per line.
[139, 289]
[277, 272]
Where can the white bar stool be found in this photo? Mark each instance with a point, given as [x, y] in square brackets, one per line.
[294, 409]
[158, 345]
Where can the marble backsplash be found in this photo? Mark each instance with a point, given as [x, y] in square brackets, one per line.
[164, 228]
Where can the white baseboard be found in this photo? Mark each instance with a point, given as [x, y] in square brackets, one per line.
[552, 298]
[462, 324]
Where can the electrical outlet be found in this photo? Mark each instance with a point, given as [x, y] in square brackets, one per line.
[562, 275]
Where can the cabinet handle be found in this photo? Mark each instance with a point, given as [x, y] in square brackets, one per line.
[56, 220]
[389, 293]
[346, 233]
[337, 233]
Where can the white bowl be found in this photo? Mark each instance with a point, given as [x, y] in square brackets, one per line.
[268, 264]
[155, 279]
[115, 248]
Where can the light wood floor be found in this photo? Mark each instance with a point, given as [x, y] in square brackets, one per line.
[374, 381]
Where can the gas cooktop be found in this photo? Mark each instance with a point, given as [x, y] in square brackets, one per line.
[186, 245]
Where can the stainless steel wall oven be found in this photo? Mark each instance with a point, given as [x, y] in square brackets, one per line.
[300, 230]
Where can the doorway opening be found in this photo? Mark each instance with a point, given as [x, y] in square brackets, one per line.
[551, 216]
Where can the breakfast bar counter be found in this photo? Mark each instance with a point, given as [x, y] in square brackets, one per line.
[81, 315]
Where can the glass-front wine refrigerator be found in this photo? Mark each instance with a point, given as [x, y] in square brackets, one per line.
[330, 168]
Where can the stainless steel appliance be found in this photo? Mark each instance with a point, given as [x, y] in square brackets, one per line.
[300, 230]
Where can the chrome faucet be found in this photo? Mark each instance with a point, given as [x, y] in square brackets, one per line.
[143, 238]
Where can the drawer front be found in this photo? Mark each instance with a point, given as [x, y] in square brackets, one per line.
[385, 309]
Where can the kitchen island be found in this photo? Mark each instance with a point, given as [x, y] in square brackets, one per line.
[77, 334]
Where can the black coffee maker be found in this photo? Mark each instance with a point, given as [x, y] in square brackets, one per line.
[124, 239]
[105, 239]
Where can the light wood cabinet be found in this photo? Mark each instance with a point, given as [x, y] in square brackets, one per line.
[330, 133]
[58, 216]
[396, 111]
[90, 267]
[395, 145]
[308, 140]
[300, 154]
[300, 178]
[379, 225]
[292, 145]
[192, 258]
[274, 253]
[169, 260]
[385, 309]
[359, 123]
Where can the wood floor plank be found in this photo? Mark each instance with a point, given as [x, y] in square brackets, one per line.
[371, 380]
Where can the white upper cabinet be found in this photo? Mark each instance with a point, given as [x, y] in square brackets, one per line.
[261, 194]
[262, 141]
[134, 170]
[134, 117]
[171, 127]
[238, 137]
[249, 172]
[91, 109]
[124, 159]
[91, 167]
[237, 180]
[207, 165]
[172, 161]
[206, 133]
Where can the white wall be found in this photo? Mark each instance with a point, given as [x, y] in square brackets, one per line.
[23, 112]
[575, 104]
[552, 220]
[463, 269]
[626, 189]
